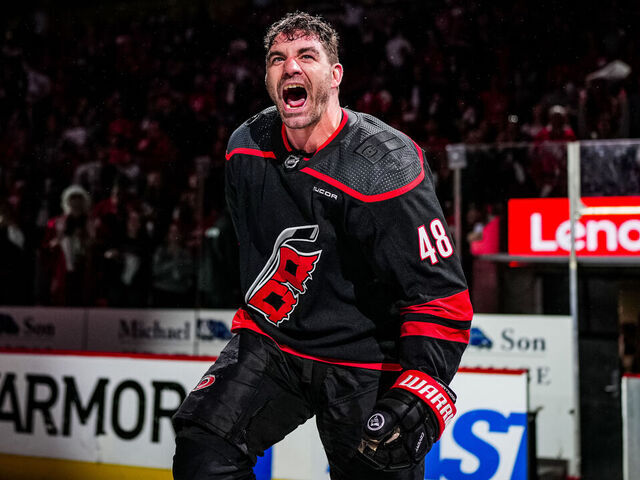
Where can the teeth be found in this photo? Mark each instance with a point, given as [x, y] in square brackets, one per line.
[297, 85]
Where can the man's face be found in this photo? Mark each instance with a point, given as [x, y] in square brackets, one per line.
[300, 79]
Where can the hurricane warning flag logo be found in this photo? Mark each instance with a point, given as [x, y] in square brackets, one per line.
[206, 381]
[278, 287]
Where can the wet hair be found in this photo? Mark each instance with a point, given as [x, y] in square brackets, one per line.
[293, 23]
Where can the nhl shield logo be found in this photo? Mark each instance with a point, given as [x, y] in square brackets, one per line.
[375, 422]
[291, 161]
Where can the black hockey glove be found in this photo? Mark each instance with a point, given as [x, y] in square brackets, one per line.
[406, 422]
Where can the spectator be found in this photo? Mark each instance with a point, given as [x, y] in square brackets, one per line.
[109, 215]
[484, 237]
[532, 128]
[66, 249]
[513, 166]
[218, 275]
[148, 94]
[157, 205]
[128, 266]
[549, 159]
[173, 272]
[495, 102]
[92, 172]
[603, 113]
[557, 129]
[377, 100]
[14, 266]
[155, 148]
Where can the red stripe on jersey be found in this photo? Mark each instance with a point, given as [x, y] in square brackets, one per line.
[370, 198]
[455, 307]
[343, 122]
[250, 151]
[433, 330]
[285, 140]
[242, 320]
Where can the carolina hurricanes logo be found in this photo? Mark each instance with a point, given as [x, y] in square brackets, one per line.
[276, 291]
[206, 381]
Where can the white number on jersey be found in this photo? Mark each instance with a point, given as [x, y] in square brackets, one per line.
[443, 244]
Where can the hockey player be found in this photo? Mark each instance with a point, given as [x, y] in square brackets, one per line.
[356, 309]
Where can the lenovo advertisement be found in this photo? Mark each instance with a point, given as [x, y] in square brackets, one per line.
[541, 227]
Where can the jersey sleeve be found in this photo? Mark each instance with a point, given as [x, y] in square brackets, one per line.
[411, 250]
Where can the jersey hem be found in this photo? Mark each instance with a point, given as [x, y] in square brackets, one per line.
[242, 321]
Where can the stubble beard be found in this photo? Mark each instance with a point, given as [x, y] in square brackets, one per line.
[293, 120]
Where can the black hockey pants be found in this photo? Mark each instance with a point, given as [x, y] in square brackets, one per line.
[257, 394]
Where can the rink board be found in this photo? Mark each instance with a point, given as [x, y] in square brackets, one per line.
[164, 331]
[543, 345]
[630, 426]
[80, 415]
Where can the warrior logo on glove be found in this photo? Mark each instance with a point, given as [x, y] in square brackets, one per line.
[406, 422]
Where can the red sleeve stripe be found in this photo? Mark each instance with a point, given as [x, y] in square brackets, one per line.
[250, 151]
[455, 307]
[433, 330]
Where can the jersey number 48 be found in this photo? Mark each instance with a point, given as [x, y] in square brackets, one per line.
[443, 244]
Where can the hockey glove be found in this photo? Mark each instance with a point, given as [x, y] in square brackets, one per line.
[406, 422]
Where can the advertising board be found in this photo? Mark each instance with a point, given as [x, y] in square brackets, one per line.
[213, 331]
[488, 437]
[39, 327]
[540, 226]
[141, 331]
[630, 426]
[542, 345]
[104, 409]
[114, 410]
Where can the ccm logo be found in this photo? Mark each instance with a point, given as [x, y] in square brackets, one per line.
[322, 191]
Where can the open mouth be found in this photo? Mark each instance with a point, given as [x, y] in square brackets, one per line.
[294, 95]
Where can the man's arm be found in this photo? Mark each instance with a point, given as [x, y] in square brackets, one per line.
[410, 248]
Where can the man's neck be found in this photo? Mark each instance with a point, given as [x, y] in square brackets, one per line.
[309, 139]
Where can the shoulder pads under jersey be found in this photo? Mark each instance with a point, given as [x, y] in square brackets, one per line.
[376, 161]
[255, 133]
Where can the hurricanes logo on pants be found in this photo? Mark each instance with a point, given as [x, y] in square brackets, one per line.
[276, 291]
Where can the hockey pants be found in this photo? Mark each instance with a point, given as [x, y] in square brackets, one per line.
[256, 394]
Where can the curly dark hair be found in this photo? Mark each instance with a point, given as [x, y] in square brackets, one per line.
[293, 23]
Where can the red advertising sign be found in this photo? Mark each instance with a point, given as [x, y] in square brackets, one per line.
[540, 226]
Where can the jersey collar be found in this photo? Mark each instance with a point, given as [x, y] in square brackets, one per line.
[287, 145]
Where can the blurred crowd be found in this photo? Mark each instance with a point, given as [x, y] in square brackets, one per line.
[114, 122]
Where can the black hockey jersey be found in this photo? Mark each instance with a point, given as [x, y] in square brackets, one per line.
[345, 256]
